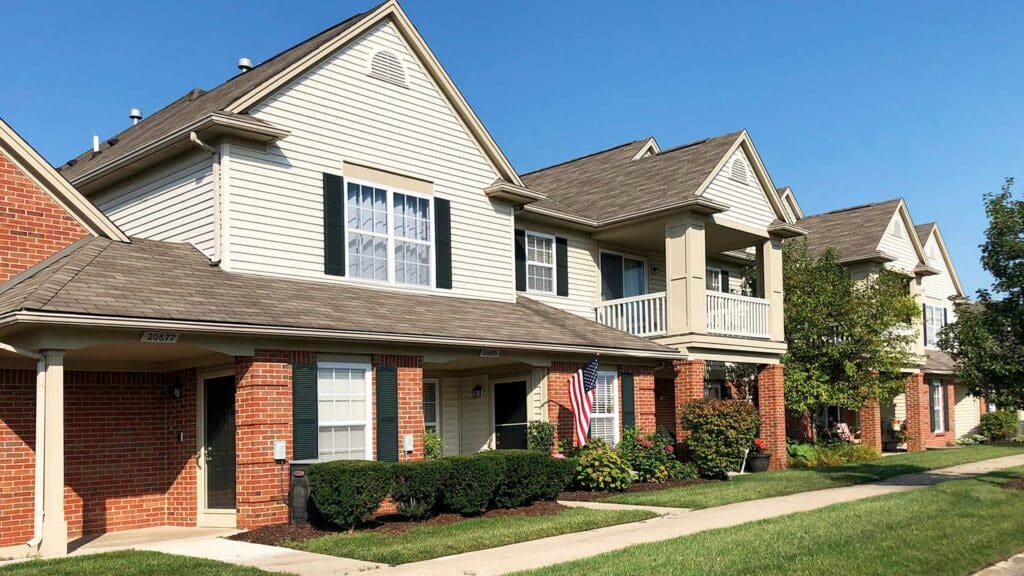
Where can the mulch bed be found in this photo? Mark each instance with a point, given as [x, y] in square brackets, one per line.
[1015, 484]
[584, 496]
[276, 534]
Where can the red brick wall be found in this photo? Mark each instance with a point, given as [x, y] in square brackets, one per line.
[181, 455]
[263, 414]
[17, 437]
[410, 402]
[665, 405]
[799, 426]
[643, 397]
[918, 418]
[772, 407]
[689, 386]
[871, 425]
[32, 226]
[559, 405]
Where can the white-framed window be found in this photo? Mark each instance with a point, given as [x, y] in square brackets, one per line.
[604, 414]
[938, 404]
[713, 278]
[540, 262]
[431, 407]
[622, 276]
[343, 411]
[934, 322]
[390, 235]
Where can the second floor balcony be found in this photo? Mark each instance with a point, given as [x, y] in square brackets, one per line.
[726, 315]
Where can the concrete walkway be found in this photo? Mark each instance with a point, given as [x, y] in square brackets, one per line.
[673, 523]
[1011, 567]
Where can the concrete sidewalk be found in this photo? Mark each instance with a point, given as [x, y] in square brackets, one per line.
[1013, 566]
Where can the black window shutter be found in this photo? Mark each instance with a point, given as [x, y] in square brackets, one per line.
[520, 260]
[562, 266]
[387, 414]
[931, 406]
[334, 225]
[443, 240]
[304, 412]
[628, 410]
[725, 281]
[924, 317]
[945, 317]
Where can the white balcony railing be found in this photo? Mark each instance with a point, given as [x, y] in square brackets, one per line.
[639, 315]
[735, 315]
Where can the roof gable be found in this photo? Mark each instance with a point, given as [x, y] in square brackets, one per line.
[738, 186]
[29, 162]
[929, 235]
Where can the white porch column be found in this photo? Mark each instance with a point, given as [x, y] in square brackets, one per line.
[769, 274]
[55, 528]
[685, 303]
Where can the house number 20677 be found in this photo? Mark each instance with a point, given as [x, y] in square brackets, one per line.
[160, 337]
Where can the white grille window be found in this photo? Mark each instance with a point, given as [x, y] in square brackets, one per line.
[938, 402]
[389, 235]
[387, 67]
[713, 279]
[540, 262]
[430, 406]
[343, 411]
[739, 170]
[934, 322]
[604, 415]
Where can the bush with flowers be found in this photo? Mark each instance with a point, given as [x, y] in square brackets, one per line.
[649, 455]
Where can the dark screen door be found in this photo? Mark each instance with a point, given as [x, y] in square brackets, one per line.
[219, 442]
[510, 415]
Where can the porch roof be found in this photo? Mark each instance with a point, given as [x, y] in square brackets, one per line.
[937, 362]
[153, 281]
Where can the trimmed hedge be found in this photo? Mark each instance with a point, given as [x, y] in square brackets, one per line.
[528, 476]
[469, 483]
[348, 492]
[417, 488]
[720, 431]
[999, 425]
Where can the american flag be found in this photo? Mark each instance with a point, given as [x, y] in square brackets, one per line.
[581, 393]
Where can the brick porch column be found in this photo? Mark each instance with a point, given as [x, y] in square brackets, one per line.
[263, 414]
[772, 407]
[689, 386]
[871, 425]
[410, 402]
[918, 417]
[643, 397]
[559, 406]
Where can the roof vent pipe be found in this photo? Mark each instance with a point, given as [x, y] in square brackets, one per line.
[135, 114]
[244, 64]
[95, 143]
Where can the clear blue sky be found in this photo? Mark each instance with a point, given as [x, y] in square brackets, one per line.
[847, 102]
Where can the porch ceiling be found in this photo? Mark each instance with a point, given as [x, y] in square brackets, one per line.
[140, 355]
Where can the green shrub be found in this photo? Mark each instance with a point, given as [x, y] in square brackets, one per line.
[972, 440]
[720, 431]
[1018, 439]
[416, 487]
[517, 484]
[540, 436]
[469, 483]
[565, 446]
[556, 475]
[830, 454]
[345, 493]
[649, 455]
[999, 425]
[682, 470]
[433, 445]
[601, 468]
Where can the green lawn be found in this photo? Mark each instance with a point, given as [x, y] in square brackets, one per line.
[425, 542]
[128, 564]
[783, 482]
[951, 529]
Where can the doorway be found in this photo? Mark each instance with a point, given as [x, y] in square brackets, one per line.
[510, 415]
[217, 456]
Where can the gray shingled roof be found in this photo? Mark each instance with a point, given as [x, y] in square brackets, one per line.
[937, 362]
[923, 230]
[197, 104]
[610, 184]
[853, 232]
[167, 281]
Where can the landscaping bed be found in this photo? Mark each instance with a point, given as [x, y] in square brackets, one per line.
[588, 496]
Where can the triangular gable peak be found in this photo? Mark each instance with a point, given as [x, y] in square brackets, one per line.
[938, 257]
[649, 148]
[790, 205]
[390, 11]
[741, 182]
[900, 242]
[31, 164]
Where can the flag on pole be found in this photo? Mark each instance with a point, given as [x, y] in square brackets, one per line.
[582, 386]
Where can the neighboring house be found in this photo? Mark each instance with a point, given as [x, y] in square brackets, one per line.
[936, 410]
[314, 260]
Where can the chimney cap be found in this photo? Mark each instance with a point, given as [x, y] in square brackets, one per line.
[244, 64]
[135, 114]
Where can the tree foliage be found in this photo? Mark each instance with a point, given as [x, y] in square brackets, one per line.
[987, 340]
[848, 339]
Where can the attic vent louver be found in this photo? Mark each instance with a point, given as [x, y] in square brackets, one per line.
[387, 67]
[739, 170]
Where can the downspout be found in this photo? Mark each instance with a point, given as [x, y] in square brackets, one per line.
[194, 138]
[37, 503]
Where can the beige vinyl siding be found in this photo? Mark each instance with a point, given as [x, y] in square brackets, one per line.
[336, 113]
[940, 286]
[172, 203]
[747, 202]
[900, 403]
[966, 412]
[584, 271]
[450, 406]
[475, 415]
[538, 395]
[901, 248]
[735, 273]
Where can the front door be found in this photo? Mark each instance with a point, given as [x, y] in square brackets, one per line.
[510, 415]
[219, 443]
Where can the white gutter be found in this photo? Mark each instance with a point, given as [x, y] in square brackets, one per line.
[194, 138]
[37, 503]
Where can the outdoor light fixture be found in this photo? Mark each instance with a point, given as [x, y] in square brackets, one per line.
[478, 391]
[176, 389]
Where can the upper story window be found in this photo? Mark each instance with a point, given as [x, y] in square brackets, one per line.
[934, 322]
[716, 280]
[604, 415]
[622, 276]
[390, 237]
[343, 411]
[540, 262]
